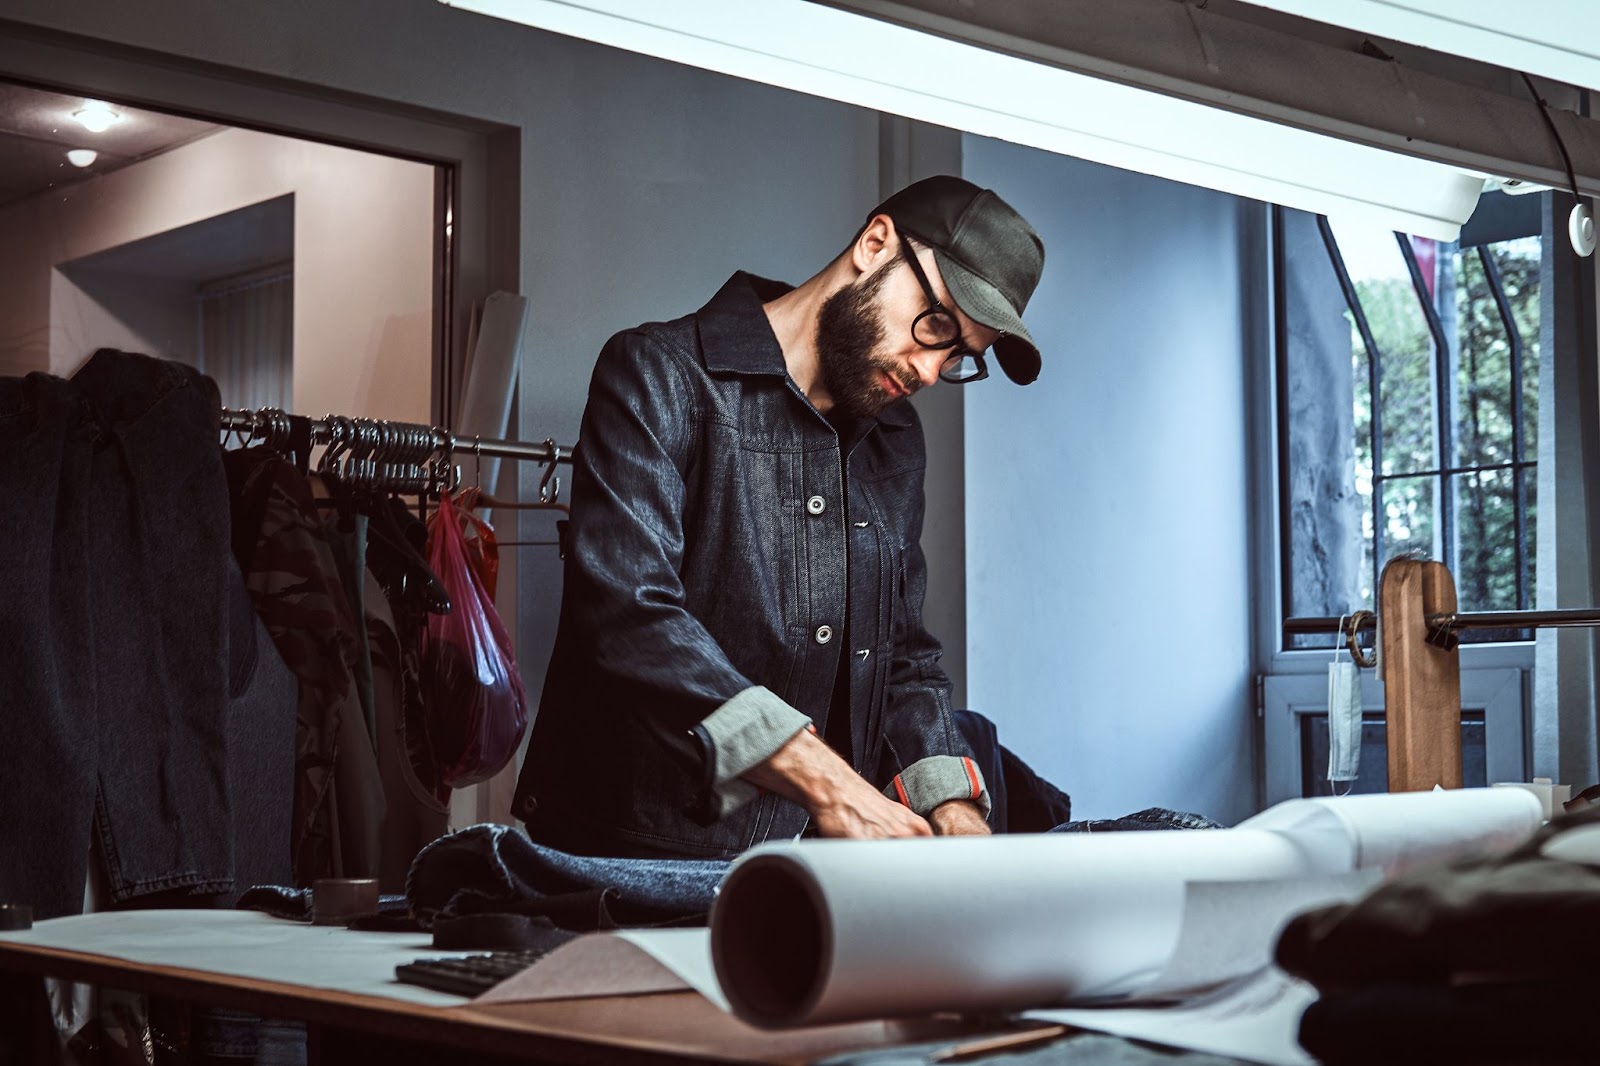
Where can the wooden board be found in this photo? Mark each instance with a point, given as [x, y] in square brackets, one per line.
[1421, 681]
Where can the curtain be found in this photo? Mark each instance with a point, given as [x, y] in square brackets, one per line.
[247, 337]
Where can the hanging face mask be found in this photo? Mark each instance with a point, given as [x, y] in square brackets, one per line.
[1344, 717]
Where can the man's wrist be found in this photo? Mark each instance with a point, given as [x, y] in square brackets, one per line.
[959, 817]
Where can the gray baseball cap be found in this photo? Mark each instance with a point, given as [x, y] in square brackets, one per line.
[988, 255]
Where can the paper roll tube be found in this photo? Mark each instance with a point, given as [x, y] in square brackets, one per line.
[826, 931]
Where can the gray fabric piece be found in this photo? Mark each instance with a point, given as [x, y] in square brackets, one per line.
[939, 779]
[745, 732]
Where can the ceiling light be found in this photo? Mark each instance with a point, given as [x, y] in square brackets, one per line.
[96, 116]
[82, 157]
[795, 44]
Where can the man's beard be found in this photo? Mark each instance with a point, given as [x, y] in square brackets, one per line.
[849, 328]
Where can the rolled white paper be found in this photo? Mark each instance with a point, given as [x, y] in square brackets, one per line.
[825, 931]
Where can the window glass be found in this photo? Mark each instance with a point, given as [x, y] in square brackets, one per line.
[1443, 464]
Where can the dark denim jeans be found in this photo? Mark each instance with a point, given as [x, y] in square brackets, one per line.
[495, 868]
[113, 618]
[1023, 802]
[47, 686]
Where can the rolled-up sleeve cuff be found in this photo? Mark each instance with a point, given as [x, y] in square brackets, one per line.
[928, 782]
[741, 734]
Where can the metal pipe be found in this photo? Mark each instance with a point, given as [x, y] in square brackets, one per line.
[1565, 618]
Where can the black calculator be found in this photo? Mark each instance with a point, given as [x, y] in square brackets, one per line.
[467, 975]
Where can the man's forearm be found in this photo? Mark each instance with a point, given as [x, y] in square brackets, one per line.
[840, 801]
[803, 770]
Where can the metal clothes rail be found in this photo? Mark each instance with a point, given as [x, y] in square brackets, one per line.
[386, 440]
[1444, 629]
[1576, 616]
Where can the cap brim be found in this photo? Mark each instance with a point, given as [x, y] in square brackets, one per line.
[983, 303]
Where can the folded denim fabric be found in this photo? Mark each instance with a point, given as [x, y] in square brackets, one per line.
[490, 868]
[1149, 818]
[294, 904]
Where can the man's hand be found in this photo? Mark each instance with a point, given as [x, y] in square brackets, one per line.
[959, 818]
[840, 800]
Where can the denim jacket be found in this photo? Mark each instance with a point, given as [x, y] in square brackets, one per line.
[719, 553]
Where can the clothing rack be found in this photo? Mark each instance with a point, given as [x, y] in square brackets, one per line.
[384, 440]
[1418, 655]
[1443, 626]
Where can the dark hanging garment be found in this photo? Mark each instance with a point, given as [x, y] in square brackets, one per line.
[394, 557]
[260, 730]
[295, 584]
[47, 691]
[116, 673]
[157, 562]
[415, 812]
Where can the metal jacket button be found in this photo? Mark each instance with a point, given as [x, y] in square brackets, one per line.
[816, 505]
[824, 634]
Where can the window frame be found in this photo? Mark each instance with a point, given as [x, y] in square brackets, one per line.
[1499, 692]
[1446, 465]
[477, 192]
[1291, 682]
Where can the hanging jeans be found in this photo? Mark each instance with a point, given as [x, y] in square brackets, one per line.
[114, 681]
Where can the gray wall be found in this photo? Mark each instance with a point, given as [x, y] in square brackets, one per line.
[644, 184]
[658, 182]
[1108, 524]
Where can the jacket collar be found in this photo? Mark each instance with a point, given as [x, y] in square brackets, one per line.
[736, 337]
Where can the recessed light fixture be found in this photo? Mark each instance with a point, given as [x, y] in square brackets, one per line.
[96, 116]
[82, 157]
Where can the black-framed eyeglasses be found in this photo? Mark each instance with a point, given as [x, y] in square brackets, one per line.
[937, 329]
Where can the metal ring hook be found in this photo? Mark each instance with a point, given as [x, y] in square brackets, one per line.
[550, 485]
[1351, 629]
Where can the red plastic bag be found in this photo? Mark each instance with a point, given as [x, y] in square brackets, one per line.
[483, 549]
[476, 710]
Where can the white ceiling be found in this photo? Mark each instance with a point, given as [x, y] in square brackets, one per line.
[37, 129]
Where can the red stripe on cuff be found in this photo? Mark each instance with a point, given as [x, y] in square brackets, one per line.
[972, 775]
[900, 790]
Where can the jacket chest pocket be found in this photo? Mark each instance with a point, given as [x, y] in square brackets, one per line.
[796, 530]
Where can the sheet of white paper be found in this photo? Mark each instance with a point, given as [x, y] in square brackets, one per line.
[627, 963]
[1256, 1019]
[248, 944]
[1230, 928]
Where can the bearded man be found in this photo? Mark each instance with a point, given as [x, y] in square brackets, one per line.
[741, 654]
